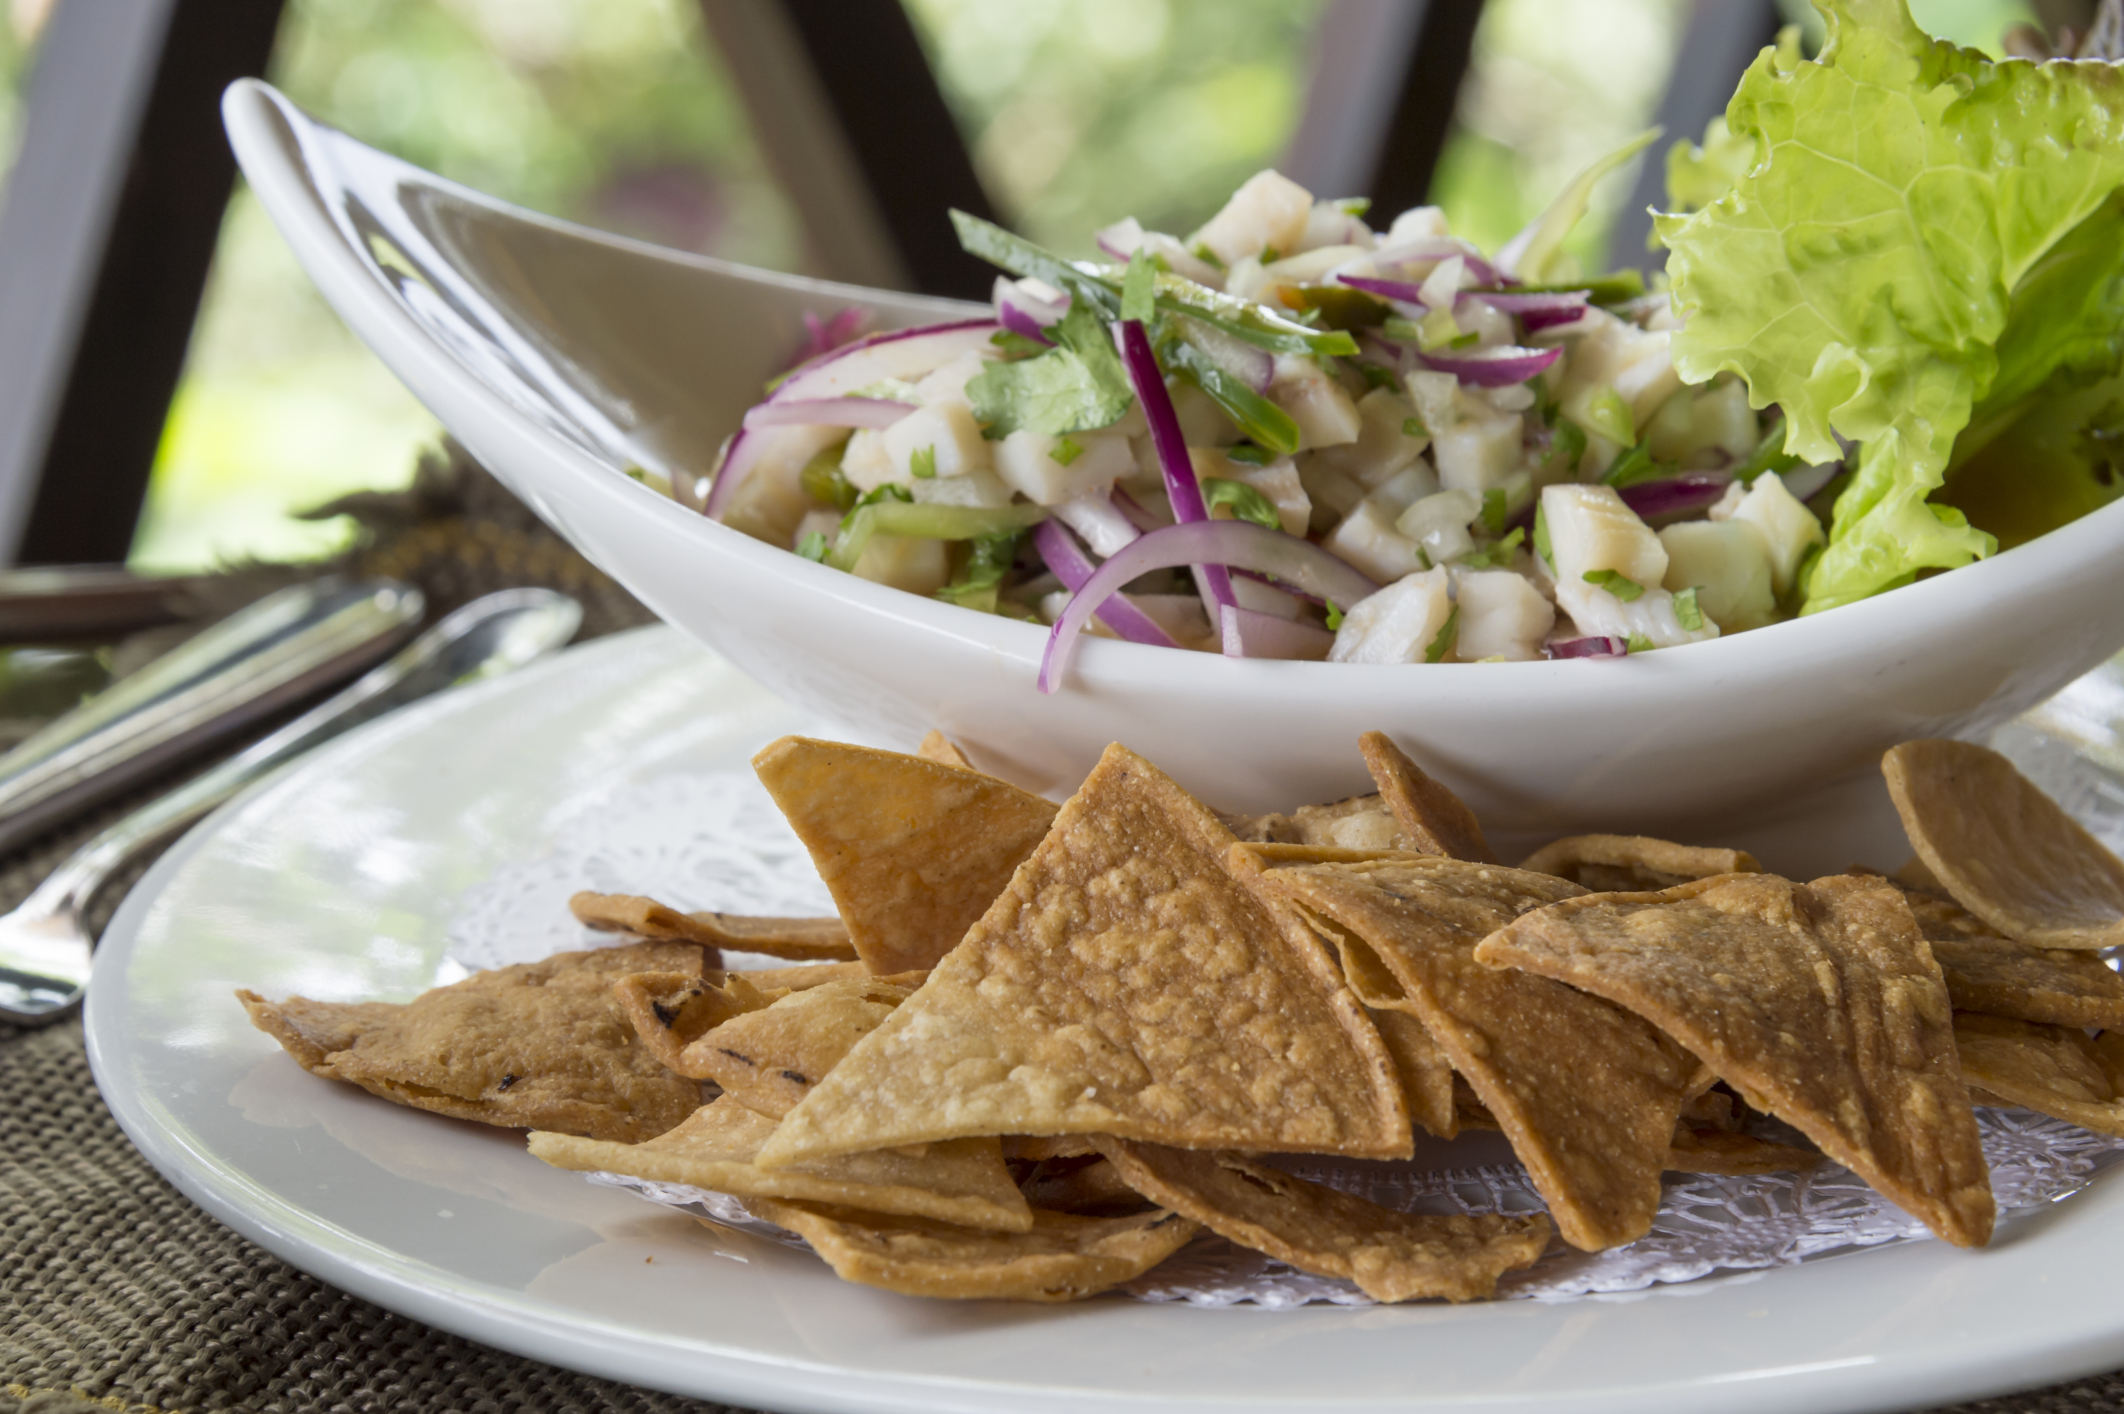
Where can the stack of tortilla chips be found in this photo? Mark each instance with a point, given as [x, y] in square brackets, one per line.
[1040, 1048]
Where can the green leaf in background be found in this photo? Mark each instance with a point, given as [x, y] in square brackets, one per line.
[1076, 386]
[1861, 273]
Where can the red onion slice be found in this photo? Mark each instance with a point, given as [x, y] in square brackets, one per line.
[1438, 248]
[896, 353]
[1248, 634]
[1589, 648]
[1062, 554]
[823, 336]
[1399, 291]
[829, 412]
[1492, 368]
[1026, 314]
[1181, 487]
[1674, 495]
[1297, 565]
[1138, 515]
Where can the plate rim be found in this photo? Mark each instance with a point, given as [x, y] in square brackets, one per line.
[1977, 1363]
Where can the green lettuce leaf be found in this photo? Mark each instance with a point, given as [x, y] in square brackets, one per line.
[1076, 386]
[1700, 173]
[1861, 273]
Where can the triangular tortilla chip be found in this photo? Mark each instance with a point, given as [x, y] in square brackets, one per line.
[668, 1010]
[1260, 829]
[1390, 1255]
[912, 851]
[1088, 1186]
[1063, 1258]
[2054, 1070]
[1741, 1155]
[1586, 1092]
[1124, 984]
[1634, 863]
[2003, 849]
[542, 1045]
[769, 1060]
[961, 1182]
[1820, 1003]
[1426, 1073]
[941, 749]
[798, 939]
[1434, 820]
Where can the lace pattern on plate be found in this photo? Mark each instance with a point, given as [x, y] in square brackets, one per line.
[1706, 1223]
[714, 840]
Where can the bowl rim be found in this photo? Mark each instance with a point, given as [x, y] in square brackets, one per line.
[274, 139]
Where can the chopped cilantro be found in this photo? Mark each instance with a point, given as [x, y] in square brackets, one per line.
[1139, 289]
[1494, 510]
[1244, 502]
[1616, 583]
[1250, 456]
[1376, 376]
[988, 559]
[1334, 616]
[813, 547]
[1638, 643]
[1270, 255]
[1541, 537]
[1686, 610]
[1462, 341]
[1077, 385]
[1448, 635]
[1413, 427]
[1064, 451]
[1637, 465]
[1204, 254]
[922, 463]
[1353, 205]
[1497, 553]
[1568, 444]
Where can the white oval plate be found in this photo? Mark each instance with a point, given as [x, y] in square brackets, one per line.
[337, 881]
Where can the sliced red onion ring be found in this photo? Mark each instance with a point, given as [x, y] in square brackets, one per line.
[1492, 368]
[1138, 515]
[1589, 648]
[1673, 495]
[1260, 578]
[822, 336]
[1024, 313]
[1399, 291]
[1540, 311]
[1299, 566]
[1062, 554]
[1439, 248]
[1181, 488]
[829, 412]
[1248, 634]
[896, 353]
[1022, 324]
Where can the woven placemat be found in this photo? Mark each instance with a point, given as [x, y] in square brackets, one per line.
[117, 1294]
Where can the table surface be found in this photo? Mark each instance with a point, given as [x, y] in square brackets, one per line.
[115, 1289]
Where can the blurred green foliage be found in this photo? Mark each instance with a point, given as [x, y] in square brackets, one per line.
[1081, 112]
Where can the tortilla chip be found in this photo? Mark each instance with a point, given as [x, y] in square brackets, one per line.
[1363, 822]
[1432, 818]
[1035, 1148]
[2003, 849]
[1739, 1155]
[962, 1182]
[1586, 1092]
[1124, 984]
[769, 1059]
[1820, 1003]
[798, 939]
[913, 852]
[939, 748]
[1088, 1187]
[804, 977]
[2053, 1070]
[2002, 978]
[542, 1045]
[668, 1010]
[1390, 1255]
[1634, 863]
[1426, 1074]
[1063, 1258]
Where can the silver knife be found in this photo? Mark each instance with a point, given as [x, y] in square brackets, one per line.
[45, 947]
[273, 654]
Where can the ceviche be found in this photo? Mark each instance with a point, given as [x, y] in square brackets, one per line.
[1294, 433]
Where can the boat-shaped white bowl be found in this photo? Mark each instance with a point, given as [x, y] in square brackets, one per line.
[560, 357]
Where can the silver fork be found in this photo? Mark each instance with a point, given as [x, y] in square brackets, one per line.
[45, 947]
